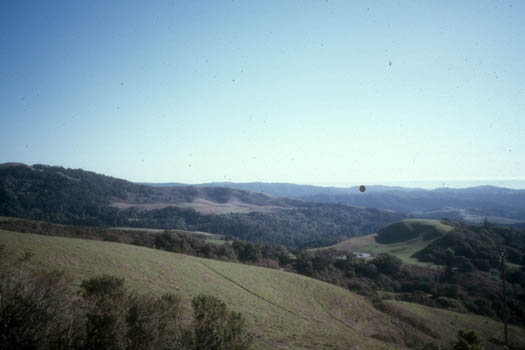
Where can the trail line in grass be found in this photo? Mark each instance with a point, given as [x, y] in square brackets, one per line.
[332, 315]
[253, 293]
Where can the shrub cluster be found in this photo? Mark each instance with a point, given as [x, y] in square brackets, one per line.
[447, 287]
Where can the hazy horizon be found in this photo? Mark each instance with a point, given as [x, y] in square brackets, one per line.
[516, 184]
[305, 92]
[428, 184]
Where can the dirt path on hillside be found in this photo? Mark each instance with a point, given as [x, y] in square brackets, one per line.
[255, 294]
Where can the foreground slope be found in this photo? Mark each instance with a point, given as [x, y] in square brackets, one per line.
[443, 322]
[283, 310]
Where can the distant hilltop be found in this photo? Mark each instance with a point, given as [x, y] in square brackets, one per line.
[11, 164]
[472, 204]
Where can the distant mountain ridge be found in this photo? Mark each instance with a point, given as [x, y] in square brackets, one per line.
[281, 189]
[498, 204]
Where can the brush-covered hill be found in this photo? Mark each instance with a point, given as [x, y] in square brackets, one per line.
[283, 310]
[409, 229]
[424, 241]
[453, 265]
[477, 246]
[75, 196]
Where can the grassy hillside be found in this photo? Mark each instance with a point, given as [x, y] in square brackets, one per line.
[402, 239]
[446, 323]
[283, 310]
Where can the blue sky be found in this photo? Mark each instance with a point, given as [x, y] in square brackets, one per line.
[321, 92]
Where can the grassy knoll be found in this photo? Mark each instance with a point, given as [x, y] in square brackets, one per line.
[283, 310]
[413, 229]
[446, 323]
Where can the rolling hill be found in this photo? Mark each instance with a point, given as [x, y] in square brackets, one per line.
[402, 239]
[29, 181]
[283, 310]
[499, 205]
[75, 196]
[432, 242]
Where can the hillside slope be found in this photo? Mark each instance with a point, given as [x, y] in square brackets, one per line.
[283, 310]
[408, 229]
[402, 239]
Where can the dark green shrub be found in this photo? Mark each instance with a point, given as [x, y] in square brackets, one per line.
[387, 263]
[216, 328]
[155, 323]
[468, 341]
[34, 309]
[105, 301]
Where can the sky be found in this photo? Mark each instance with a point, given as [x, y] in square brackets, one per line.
[318, 92]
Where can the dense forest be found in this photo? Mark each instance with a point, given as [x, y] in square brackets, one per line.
[315, 226]
[469, 246]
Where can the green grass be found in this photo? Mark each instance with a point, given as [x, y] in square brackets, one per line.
[403, 250]
[437, 224]
[446, 324]
[283, 310]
